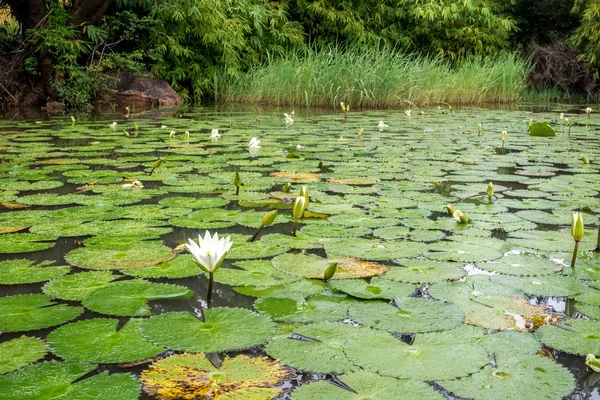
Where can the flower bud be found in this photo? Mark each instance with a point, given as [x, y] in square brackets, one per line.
[237, 181]
[286, 188]
[157, 163]
[504, 134]
[299, 207]
[490, 190]
[585, 159]
[450, 208]
[577, 226]
[330, 271]
[268, 218]
[460, 217]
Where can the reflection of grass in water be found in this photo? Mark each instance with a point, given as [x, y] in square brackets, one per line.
[379, 78]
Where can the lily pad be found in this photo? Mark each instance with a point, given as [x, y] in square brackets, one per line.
[28, 312]
[575, 336]
[76, 286]
[193, 376]
[254, 273]
[138, 255]
[19, 352]
[545, 285]
[541, 129]
[305, 286]
[130, 298]
[221, 330]
[55, 380]
[182, 266]
[408, 315]
[370, 249]
[19, 271]
[293, 307]
[99, 341]
[367, 385]
[377, 288]
[542, 378]
[520, 265]
[313, 266]
[421, 270]
[24, 243]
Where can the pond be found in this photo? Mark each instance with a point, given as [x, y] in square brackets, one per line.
[101, 300]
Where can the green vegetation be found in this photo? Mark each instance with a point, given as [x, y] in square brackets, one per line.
[369, 77]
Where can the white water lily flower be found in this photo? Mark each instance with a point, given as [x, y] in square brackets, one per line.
[561, 116]
[382, 125]
[172, 135]
[298, 147]
[407, 112]
[289, 121]
[210, 252]
[133, 185]
[215, 133]
[254, 143]
[163, 127]
[588, 110]
[113, 126]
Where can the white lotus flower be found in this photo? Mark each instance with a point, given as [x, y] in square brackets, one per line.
[254, 143]
[210, 252]
[135, 184]
[298, 147]
[215, 133]
[113, 126]
[163, 127]
[289, 121]
[407, 112]
[561, 116]
[382, 125]
[588, 110]
[172, 135]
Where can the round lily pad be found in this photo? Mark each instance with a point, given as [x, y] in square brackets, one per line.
[19, 352]
[313, 266]
[385, 354]
[520, 265]
[317, 347]
[377, 288]
[100, 341]
[421, 270]
[588, 310]
[367, 385]
[542, 378]
[182, 266]
[24, 243]
[63, 380]
[575, 336]
[408, 315]
[292, 242]
[334, 231]
[19, 271]
[222, 329]
[293, 307]
[254, 273]
[193, 376]
[545, 285]
[140, 255]
[28, 312]
[462, 251]
[194, 202]
[510, 344]
[370, 249]
[76, 286]
[130, 298]
[305, 286]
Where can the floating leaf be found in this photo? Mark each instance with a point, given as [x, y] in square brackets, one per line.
[192, 376]
[55, 380]
[19, 271]
[546, 285]
[182, 266]
[293, 307]
[28, 312]
[221, 330]
[420, 270]
[19, 352]
[130, 298]
[313, 266]
[76, 286]
[253, 273]
[140, 255]
[575, 336]
[377, 288]
[304, 286]
[408, 315]
[520, 265]
[24, 243]
[99, 340]
[369, 249]
[367, 385]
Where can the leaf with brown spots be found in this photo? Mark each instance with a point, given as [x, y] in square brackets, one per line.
[191, 376]
[298, 177]
[355, 181]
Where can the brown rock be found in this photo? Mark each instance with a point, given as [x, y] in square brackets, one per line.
[142, 93]
[54, 107]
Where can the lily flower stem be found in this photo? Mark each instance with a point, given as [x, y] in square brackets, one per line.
[598, 242]
[211, 281]
[237, 191]
[151, 171]
[574, 254]
[503, 147]
[253, 238]
[295, 227]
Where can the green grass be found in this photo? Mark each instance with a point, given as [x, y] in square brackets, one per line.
[378, 78]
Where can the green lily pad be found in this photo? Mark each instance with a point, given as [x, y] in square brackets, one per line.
[19, 271]
[375, 250]
[305, 286]
[334, 231]
[542, 378]
[99, 341]
[313, 266]
[292, 242]
[194, 202]
[385, 354]
[367, 385]
[318, 348]
[293, 307]
[182, 266]
[545, 285]
[377, 288]
[520, 265]
[24, 243]
[223, 329]
[575, 336]
[461, 251]
[407, 315]
[510, 344]
[76, 286]
[193, 376]
[55, 380]
[130, 298]
[28, 312]
[253, 273]
[19, 352]
[542, 129]
[139, 255]
[421, 270]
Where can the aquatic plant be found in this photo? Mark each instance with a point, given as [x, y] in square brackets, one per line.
[577, 233]
[266, 220]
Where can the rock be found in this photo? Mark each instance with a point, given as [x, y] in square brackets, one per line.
[54, 107]
[142, 93]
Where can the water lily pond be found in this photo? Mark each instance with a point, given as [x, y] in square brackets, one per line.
[100, 299]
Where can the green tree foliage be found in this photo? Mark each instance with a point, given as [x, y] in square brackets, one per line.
[586, 37]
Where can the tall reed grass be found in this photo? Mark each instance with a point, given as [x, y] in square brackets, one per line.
[377, 78]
